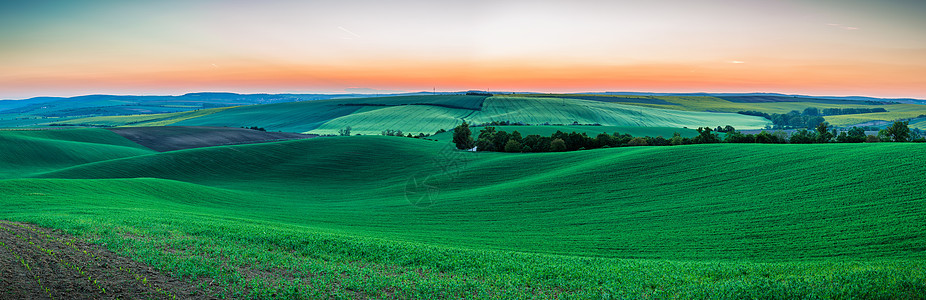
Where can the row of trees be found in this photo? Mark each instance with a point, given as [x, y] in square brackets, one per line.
[851, 111]
[390, 132]
[519, 123]
[255, 128]
[813, 111]
[490, 139]
[809, 118]
[795, 119]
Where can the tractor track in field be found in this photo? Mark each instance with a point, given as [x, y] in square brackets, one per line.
[37, 263]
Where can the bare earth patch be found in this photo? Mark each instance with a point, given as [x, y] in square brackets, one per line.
[37, 263]
[170, 138]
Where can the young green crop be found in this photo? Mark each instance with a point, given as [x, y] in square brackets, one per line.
[162, 119]
[339, 218]
[30, 151]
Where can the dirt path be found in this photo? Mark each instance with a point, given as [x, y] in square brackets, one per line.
[37, 263]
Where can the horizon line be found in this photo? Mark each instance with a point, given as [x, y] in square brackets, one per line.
[398, 93]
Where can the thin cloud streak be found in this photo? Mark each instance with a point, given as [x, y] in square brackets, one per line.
[349, 32]
[840, 26]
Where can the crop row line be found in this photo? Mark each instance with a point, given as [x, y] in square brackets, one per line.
[58, 260]
[26, 264]
[140, 278]
[68, 265]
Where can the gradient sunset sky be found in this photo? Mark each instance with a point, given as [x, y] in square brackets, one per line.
[817, 47]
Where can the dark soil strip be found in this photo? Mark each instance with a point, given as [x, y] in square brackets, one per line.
[38, 263]
[170, 138]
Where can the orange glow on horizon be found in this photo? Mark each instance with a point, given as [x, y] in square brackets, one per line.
[449, 76]
[869, 48]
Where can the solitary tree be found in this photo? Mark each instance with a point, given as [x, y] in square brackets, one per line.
[899, 132]
[463, 137]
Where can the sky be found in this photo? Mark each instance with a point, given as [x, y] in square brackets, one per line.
[170, 47]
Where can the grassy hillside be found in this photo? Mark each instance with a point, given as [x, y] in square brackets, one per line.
[717, 104]
[141, 120]
[14, 121]
[164, 224]
[412, 119]
[470, 102]
[170, 138]
[710, 103]
[427, 114]
[371, 115]
[29, 151]
[290, 117]
[895, 112]
[609, 202]
[311, 115]
[428, 119]
[384, 216]
[566, 111]
[374, 216]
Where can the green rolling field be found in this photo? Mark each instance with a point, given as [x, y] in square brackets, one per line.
[560, 111]
[29, 151]
[427, 114]
[898, 111]
[142, 120]
[391, 217]
[308, 116]
[413, 119]
[717, 104]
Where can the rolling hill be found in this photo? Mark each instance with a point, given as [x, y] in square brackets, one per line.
[389, 216]
[619, 202]
[427, 114]
[170, 138]
[326, 114]
[29, 151]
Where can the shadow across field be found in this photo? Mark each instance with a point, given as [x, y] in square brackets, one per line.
[170, 138]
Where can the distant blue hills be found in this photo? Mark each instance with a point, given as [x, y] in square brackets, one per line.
[769, 95]
[129, 104]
